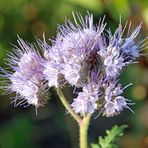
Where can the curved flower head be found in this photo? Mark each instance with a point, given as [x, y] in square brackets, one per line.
[129, 45]
[27, 79]
[75, 48]
[115, 106]
[114, 102]
[52, 73]
[121, 50]
[86, 102]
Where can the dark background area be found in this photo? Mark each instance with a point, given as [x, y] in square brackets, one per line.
[52, 128]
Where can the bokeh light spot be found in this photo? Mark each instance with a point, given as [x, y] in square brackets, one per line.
[139, 92]
[145, 16]
[30, 12]
[38, 28]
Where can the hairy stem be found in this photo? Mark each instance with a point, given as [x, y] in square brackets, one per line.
[67, 106]
[83, 123]
[84, 131]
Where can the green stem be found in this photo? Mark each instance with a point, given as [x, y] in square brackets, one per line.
[84, 131]
[67, 106]
[83, 123]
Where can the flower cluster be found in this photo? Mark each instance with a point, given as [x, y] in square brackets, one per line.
[88, 57]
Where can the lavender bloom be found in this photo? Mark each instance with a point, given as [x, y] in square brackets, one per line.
[114, 102]
[112, 90]
[27, 78]
[115, 106]
[120, 51]
[129, 46]
[72, 73]
[75, 47]
[52, 73]
[75, 71]
[86, 102]
[109, 109]
[84, 55]
[113, 65]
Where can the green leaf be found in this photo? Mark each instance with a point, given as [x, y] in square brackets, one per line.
[109, 141]
[95, 146]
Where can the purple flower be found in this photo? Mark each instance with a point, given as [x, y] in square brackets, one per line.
[86, 56]
[114, 102]
[112, 90]
[27, 79]
[109, 109]
[129, 46]
[120, 51]
[113, 65]
[52, 73]
[86, 102]
[115, 106]
[76, 48]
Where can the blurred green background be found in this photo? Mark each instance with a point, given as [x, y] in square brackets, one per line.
[51, 128]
